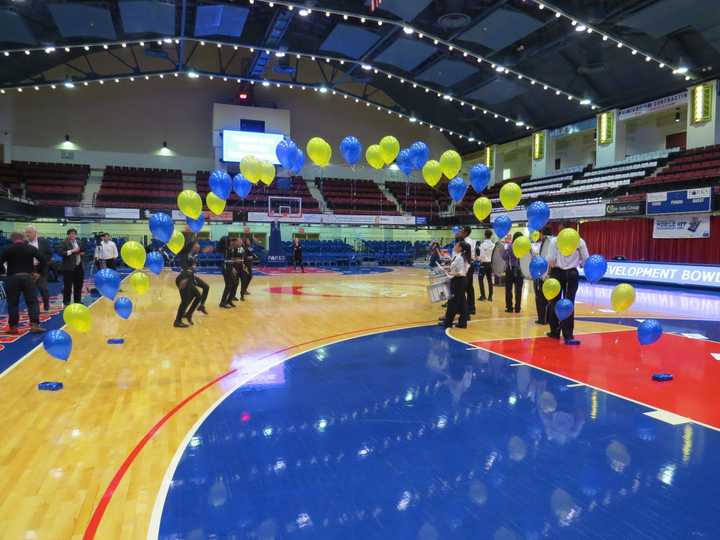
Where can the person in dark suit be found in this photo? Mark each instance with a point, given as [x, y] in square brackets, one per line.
[297, 255]
[227, 247]
[20, 258]
[71, 267]
[513, 278]
[249, 258]
[541, 302]
[43, 246]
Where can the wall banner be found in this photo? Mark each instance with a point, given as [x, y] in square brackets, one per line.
[661, 104]
[682, 226]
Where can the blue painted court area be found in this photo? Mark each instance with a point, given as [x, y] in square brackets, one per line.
[410, 435]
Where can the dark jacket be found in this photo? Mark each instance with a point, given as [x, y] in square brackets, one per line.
[68, 261]
[20, 259]
[45, 250]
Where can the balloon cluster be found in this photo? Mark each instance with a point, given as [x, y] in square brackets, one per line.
[290, 156]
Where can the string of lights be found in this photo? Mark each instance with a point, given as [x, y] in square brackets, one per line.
[437, 41]
[585, 27]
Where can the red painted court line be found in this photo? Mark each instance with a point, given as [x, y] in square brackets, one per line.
[616, 362]
[99, 512]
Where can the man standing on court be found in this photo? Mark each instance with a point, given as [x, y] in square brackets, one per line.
[540, 248]
[483, 256]
[106, 252]
[20, 258]
[43, 246]
[464, 236]
[72, 268]
[564, 269]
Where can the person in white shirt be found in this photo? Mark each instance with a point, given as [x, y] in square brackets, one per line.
[541, 302]
[564, 269]
[43, 246]
[457, 305]
[106, 252]
[483, 256]
[470, 288]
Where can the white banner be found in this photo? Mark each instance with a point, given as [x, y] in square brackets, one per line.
[335, 219]
[558, 212]
[653, 106]
[682, 226]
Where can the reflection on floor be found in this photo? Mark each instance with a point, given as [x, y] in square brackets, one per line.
[329, 405]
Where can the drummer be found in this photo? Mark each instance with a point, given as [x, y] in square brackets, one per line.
[541, 248]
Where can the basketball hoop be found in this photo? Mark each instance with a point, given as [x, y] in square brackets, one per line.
[285, 208]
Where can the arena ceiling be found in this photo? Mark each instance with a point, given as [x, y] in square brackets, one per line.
[485, 71]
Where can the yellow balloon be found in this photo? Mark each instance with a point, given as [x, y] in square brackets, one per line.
[250, 169]
[373, 155]
[133, 254]
[432, 172]
[190, 203]
[267, 172]
[177, 242]
[535, 236]
[139, 282]
[214, 203]
[450, 163]
[521, 246]
[319, 151]
[622, 297]
[389, 149]
[77, 316]
[551, 288]
[510, 195]
[567, 241]
[482, 208]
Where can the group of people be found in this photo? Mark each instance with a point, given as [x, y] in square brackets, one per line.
[467, 254]
[238, 259]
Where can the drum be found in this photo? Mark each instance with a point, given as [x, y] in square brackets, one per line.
[497, 260]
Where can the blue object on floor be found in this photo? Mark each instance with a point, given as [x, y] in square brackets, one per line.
[115, 341]
[51, 386]
[661, 377]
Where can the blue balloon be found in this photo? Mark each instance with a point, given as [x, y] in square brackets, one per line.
[155, 262]
[563, 309]
[123, 307]
[501, 225]
[479, 177]
[649, 331]
[456, 230]
[242, 186]
[595, 268]
[419, 154]
[283, 151]
[538, 267]
[196, 225]
[58, 343]
[457, 189]
[351, 149]
[538, 214]
[404, 162]
[107, 281]
[298, 161]
[161, 226]
[220, 184]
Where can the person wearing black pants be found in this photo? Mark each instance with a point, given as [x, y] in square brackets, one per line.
[190, 296]
[513, 278]
[20, 259]
[483, 256]
[469, 282]
[541, 303]
[564, 269]
[43, 246]
[72, 268]
[457, 305]
[249, 259]
[297, 255]
[230, 277]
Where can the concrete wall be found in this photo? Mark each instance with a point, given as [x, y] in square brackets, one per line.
[648, 133]
[576, 149]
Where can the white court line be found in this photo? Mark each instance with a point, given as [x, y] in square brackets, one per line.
[668, 417]
[715, 355]
[586, 384]
[153, 532]
[515, 365]
[574, 385]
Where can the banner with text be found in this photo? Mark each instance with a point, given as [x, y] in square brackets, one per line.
[664, 273]
[335, 219]
[682, 226]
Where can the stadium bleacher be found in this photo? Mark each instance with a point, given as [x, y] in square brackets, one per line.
[136, 187]
[49, 184]
[419, 199]
[699, 166]
[350, 196]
